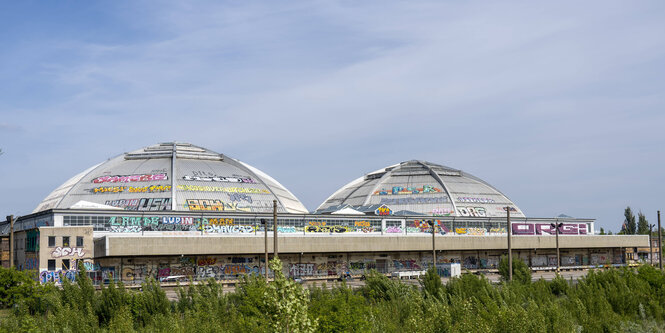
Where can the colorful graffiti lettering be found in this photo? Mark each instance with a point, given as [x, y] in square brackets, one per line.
[287, 230]
[220, 221]
[57, 276]
[229, 229]
[501, 231]
[405, 264]
[330, 229]
[149, 204]
[442, 212]
[301, 269]
[30, 263]
[409, 201]
[409, 190]
[362, 223]
[132, 189]
[472, 211]
[383, 211]
[240, 197]
[196, 188]
[213, 205]
[67, 251]
[206, 261]
[214, 178]
[394, 230]
[130, 178]
[423, 226]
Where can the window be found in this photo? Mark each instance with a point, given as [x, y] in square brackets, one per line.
[65, 264]
[65, 241]
[79, 241]
[51, 241]
[51, 264]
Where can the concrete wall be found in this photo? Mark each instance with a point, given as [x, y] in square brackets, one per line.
[115, 246]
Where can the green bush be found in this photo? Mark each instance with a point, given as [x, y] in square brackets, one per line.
[521, 272]
[630, 300]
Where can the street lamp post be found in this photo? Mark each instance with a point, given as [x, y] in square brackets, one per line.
[556, 226]
[510, 248]
[660, 244]
[650, 244]
[265, 238]
[274, 226]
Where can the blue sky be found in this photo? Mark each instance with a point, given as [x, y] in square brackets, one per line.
[560, 105]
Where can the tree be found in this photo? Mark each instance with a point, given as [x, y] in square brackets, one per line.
[431, 284]
[521, 272]
[642, 224]
[602, 231]
[631, 227]
[287, 303]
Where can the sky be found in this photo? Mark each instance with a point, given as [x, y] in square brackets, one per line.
[560, 105]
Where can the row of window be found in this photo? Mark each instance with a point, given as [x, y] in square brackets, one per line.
[65, 241]
[102, 223]
[67, 264]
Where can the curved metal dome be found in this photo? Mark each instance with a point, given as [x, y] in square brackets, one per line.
[420, 187]
[173, 176]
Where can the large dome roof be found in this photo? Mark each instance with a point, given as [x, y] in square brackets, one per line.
[173, 176]
[419, 187]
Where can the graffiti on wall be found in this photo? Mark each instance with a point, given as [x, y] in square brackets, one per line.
[383, 211]
[472, 211]
[401, 190]
[195, 188]
[213, 205]
[229, 229]
[337, 229]
[240, 197]
[442, 212]
[57, 276]
[475, 200]
[132, 189]
[424, 227]
[30, 263]
[394, 230]
[130, 178]
[202, 176]
[149, 204]
[67, 251]
[471, 231]
[409, 201]
[548, 229]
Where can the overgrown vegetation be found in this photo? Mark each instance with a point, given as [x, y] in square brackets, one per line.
[604, 301]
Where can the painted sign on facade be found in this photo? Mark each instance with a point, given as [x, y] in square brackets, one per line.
[401, 190]
[548, 229]
[130, 178]
[144, 204]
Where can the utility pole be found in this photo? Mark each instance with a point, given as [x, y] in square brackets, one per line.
[431, 223]
[556, 226]
[265, 238]
[660, 244]
[510, 248]
[10, 218]
[274, 226]
[650, 244]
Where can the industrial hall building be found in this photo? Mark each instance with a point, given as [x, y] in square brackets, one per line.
[176, 210]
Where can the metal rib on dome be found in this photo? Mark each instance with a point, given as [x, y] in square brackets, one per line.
[424, 188]
[175, 176]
